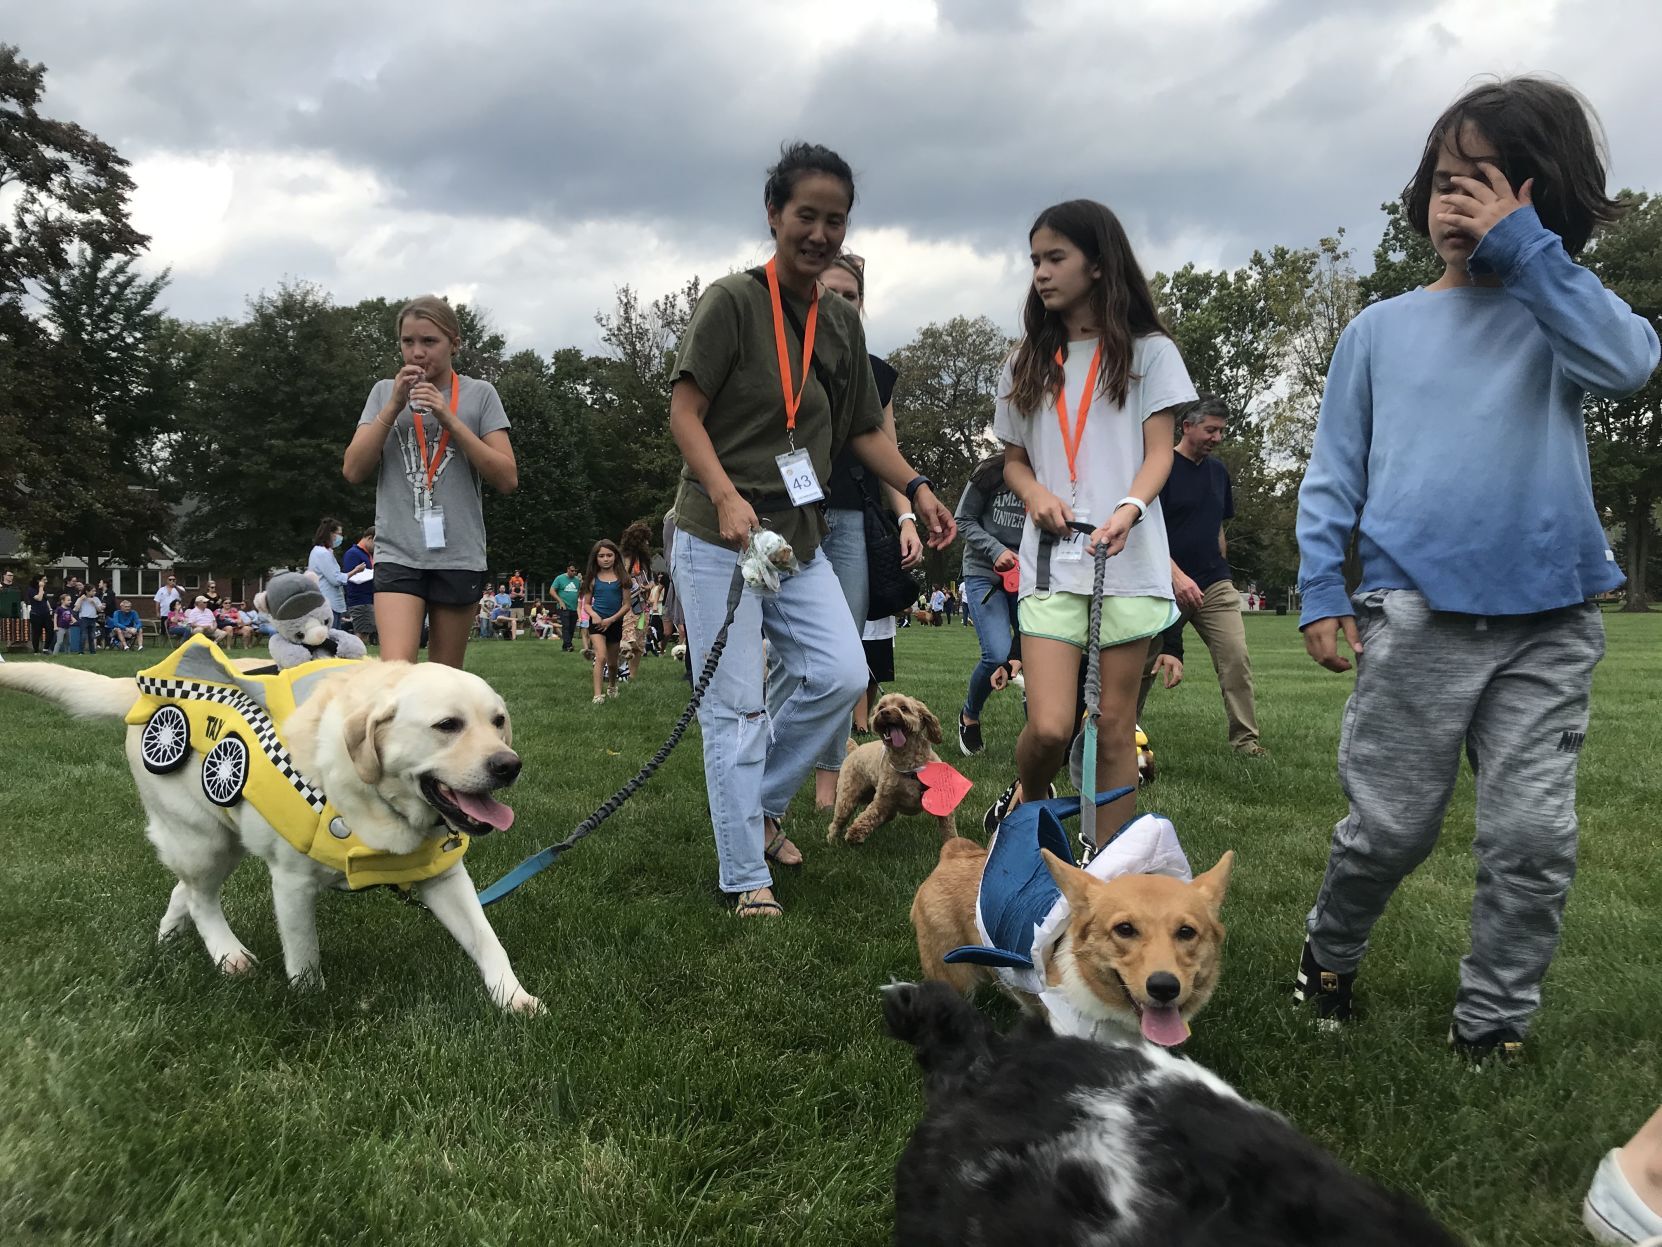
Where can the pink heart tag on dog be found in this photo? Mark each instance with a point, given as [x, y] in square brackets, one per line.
[943, 788]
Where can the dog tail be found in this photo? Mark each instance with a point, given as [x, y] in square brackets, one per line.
[85, 694]
[850, 747]
[950, 1036]
[960, 846]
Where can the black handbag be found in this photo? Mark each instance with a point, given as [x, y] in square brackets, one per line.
[892, 589]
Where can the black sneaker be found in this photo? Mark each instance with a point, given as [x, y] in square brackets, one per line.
[1000, 809]
[969, 738]
[1330, 990]
[1504, 1046]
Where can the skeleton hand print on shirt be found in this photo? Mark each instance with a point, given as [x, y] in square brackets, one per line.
[414, 473]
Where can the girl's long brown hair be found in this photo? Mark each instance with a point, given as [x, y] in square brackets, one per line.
[592, 569]
[1121, 303]
[636, 546]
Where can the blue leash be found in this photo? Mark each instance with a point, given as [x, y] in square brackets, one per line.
[540, 861]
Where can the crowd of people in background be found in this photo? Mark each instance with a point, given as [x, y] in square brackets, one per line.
[76, 618]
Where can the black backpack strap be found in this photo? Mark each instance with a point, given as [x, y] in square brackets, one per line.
[821, 373]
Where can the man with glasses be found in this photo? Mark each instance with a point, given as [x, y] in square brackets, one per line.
[167, 597]
[1196, 501]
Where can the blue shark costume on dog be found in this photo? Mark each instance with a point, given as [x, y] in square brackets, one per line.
[1021, 913]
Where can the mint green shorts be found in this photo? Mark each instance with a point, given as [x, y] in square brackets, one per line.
[1067, 617]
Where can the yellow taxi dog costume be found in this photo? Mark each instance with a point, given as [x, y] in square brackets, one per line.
[197, 701]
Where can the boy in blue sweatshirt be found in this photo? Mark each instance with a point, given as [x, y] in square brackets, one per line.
[1451, 443]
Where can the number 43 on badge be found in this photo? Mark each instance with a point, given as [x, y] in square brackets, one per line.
[797, 471]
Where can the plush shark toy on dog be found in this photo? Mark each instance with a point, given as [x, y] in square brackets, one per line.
[303, 617]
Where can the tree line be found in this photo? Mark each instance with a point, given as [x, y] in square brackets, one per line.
[122, 427]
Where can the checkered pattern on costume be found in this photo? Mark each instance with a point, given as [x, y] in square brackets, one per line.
[265, 731]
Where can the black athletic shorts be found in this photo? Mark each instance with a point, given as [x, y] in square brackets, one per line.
[436, 586]
[613, 633]
[880, 659]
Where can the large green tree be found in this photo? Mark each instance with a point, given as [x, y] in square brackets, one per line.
[943, 405]
[275, 404]
[627, 391]
[67, 479]
[1625, 435]
[1230, 326]
[1404, 260]
[549, 520]
[1236, 331]
[1313, 312]
[122, 368]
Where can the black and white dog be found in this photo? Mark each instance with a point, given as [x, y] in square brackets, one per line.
[1033, 1139]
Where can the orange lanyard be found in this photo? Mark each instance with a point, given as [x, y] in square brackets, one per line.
[432, 465]
[1072, 439]
[792, 403]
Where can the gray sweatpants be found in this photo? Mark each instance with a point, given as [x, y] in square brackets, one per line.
[1514, 691]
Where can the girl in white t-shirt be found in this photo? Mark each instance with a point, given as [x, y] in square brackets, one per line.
[1084, 411]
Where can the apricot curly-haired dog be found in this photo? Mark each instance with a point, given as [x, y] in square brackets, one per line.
[883, 772]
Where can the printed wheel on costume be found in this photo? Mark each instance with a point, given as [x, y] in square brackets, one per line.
[225, 771]
[164, 743]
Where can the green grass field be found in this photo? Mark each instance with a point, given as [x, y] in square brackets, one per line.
[702, 1080]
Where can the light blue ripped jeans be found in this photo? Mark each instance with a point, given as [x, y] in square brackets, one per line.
[845, 546]
[755, 759]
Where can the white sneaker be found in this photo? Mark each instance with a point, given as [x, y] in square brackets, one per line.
[1613, 1211]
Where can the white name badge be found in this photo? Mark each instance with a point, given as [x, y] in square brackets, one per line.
[797, 471]
[1071, 549]
[432, 526]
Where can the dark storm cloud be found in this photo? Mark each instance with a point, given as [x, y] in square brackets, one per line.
[668, 114]
[1222, 127]
[961, 132]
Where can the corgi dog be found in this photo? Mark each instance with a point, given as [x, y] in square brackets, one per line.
[1129, 947]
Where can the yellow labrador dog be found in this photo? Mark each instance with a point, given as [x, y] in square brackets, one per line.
[405, 753]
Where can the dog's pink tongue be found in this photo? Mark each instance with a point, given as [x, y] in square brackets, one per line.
[486, 809]
[897, 738]
[1164, 1025]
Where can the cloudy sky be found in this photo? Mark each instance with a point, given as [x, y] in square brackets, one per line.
[531, 157]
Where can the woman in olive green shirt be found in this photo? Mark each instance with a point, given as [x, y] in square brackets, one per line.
[771, 382]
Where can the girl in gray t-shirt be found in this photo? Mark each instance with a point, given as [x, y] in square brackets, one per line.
[432, 438]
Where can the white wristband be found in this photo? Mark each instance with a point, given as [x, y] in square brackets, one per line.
[1142, 508]
[904, 516]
